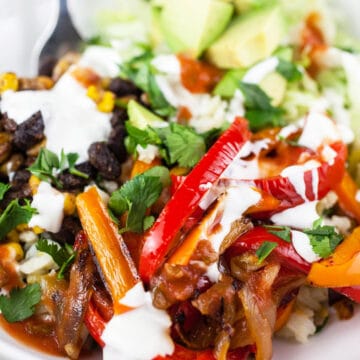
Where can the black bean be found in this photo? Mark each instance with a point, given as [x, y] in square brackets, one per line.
[21, 192]
[20, 178]
[121, 87]
[9, 125]
[116, 142]
[29, 132]
[119, 116]
[104, 160]
[69, 228]
[73, 182]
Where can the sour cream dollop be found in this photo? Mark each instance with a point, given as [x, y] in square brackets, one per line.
[139, 334]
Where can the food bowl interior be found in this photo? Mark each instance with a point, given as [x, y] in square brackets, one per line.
[18, 31]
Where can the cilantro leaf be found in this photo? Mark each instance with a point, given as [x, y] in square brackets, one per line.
[177, 143]
[323, 239]
[136, 196]
[140, 71]
[283, 232]
[47, 165]
[3, 189]
[157, 99]
[20, 305]
[63, 256]
[142, 137]
[259, 110]
[265, 250]
[14, 215]
[288, 70]
[184, 145]
[255, 97]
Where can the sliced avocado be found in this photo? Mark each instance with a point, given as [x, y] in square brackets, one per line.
[190, 26]
[141, 117]
[275, 87]
[242, 6]
[229, 83]
[248, 40]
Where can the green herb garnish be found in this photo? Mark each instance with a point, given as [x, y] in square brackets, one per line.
[14, 215]
[136, 196]
[265, 250]
[323, 239]
[20, 304]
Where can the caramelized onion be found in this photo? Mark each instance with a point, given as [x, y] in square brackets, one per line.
[260, 308]
[70, 316]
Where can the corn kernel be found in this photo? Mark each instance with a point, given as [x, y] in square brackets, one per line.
[38, 230]
[22, 227]
[107, 102]
[8, 81]
[34, 182]
[16, 249]
[94, 93]
[69, 204]
[13, 236]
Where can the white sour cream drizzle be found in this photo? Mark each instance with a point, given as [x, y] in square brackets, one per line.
[302, 246]
[138, 334]
[72, 122]
[50, 206]
[259, 71]
[237, 200]
[298, 217]
[295, 174]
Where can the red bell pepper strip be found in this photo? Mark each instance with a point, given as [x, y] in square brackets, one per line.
[94, 323]
[285, 252]
[161, 237]
[329, 174]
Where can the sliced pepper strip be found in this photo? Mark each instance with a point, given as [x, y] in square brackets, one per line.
[95, 324]
[161, 237]
[342, 268]
[116, 265]
[346, 191]
[328, 175]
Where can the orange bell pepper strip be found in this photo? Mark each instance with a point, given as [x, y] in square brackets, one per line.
[183, 253]
[342, 268]
[140, 167]
[346, 191]
[116, 265]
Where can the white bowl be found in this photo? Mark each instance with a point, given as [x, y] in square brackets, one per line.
[340, 339]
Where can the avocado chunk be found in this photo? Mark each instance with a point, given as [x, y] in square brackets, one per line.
[248, 40]
[273, 84]
[190, 26]
[141, 117]
[229, 83]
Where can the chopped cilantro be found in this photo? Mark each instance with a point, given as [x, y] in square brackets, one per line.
[63, 256]
[265, 250]
[136, 196]
[20, 304]
[14, 215]
[184, 145]
[288, 70]
[178, 143]
[140, 71]
[283, 232]
[3, 189]
[323, 239]
[259, 110]
[47, 165]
